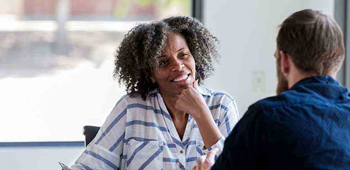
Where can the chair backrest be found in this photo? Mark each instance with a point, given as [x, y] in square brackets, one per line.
[90, 132]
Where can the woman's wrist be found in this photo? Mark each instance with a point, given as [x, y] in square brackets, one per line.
[201, 113]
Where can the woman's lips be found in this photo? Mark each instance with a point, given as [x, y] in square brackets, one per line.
[181, 79]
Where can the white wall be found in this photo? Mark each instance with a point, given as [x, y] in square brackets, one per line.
[247, 32]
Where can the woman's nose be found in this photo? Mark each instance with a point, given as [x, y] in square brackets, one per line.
[177, 65]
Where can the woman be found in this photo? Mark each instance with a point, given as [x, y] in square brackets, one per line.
[168, 119]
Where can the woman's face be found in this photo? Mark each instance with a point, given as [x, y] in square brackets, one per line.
[177, 67]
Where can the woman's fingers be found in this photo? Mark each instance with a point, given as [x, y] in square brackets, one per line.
[195, 84]
[194, 168]
[191, 97]
[210, 159]
[205, 162]
[187, 100]
[200, 162]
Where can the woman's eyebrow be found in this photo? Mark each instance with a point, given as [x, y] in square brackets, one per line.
[161, 56]
[180, 49]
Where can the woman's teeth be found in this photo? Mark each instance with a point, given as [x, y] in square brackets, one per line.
[181, 78]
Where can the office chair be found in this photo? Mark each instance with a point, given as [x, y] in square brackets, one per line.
[90, 132]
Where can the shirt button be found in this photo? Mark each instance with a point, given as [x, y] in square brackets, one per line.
[181, 151]
[182, 167]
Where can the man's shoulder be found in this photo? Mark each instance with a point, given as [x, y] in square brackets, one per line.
[288, 98]
[289, 104]
[266, 112]
[269, 102]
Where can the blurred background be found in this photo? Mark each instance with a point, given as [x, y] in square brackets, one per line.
[56, 63]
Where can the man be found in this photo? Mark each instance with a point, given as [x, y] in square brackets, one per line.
[307, 125]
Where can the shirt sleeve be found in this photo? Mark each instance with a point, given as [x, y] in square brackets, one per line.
[242, 149]
[227, 121]
[105, 151]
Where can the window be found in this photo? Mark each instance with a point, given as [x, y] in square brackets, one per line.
[56, 62]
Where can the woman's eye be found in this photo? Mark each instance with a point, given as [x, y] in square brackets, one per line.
[184, 55]
[163, 63]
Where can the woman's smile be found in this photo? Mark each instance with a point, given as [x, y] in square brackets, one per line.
[181, 79]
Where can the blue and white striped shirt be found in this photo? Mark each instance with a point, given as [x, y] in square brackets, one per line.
[140, 134]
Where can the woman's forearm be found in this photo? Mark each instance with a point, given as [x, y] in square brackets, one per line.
[207, 127]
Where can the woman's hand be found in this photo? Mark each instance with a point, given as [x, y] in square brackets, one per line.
[191, 101]
[205, 162]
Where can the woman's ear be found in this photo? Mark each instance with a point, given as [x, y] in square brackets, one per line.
[153, 80]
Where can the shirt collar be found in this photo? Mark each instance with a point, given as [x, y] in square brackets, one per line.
[316, 79]
[203, 90]
[200, 88]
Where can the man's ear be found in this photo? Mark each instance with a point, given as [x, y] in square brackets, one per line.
[285, 63]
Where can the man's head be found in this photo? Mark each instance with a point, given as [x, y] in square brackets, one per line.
[312, 41]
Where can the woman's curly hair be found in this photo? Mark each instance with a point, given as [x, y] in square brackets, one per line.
[143, 44]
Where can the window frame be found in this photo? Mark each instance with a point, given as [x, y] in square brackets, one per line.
[341, 15]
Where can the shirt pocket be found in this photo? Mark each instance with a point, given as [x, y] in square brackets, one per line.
[144, 155]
